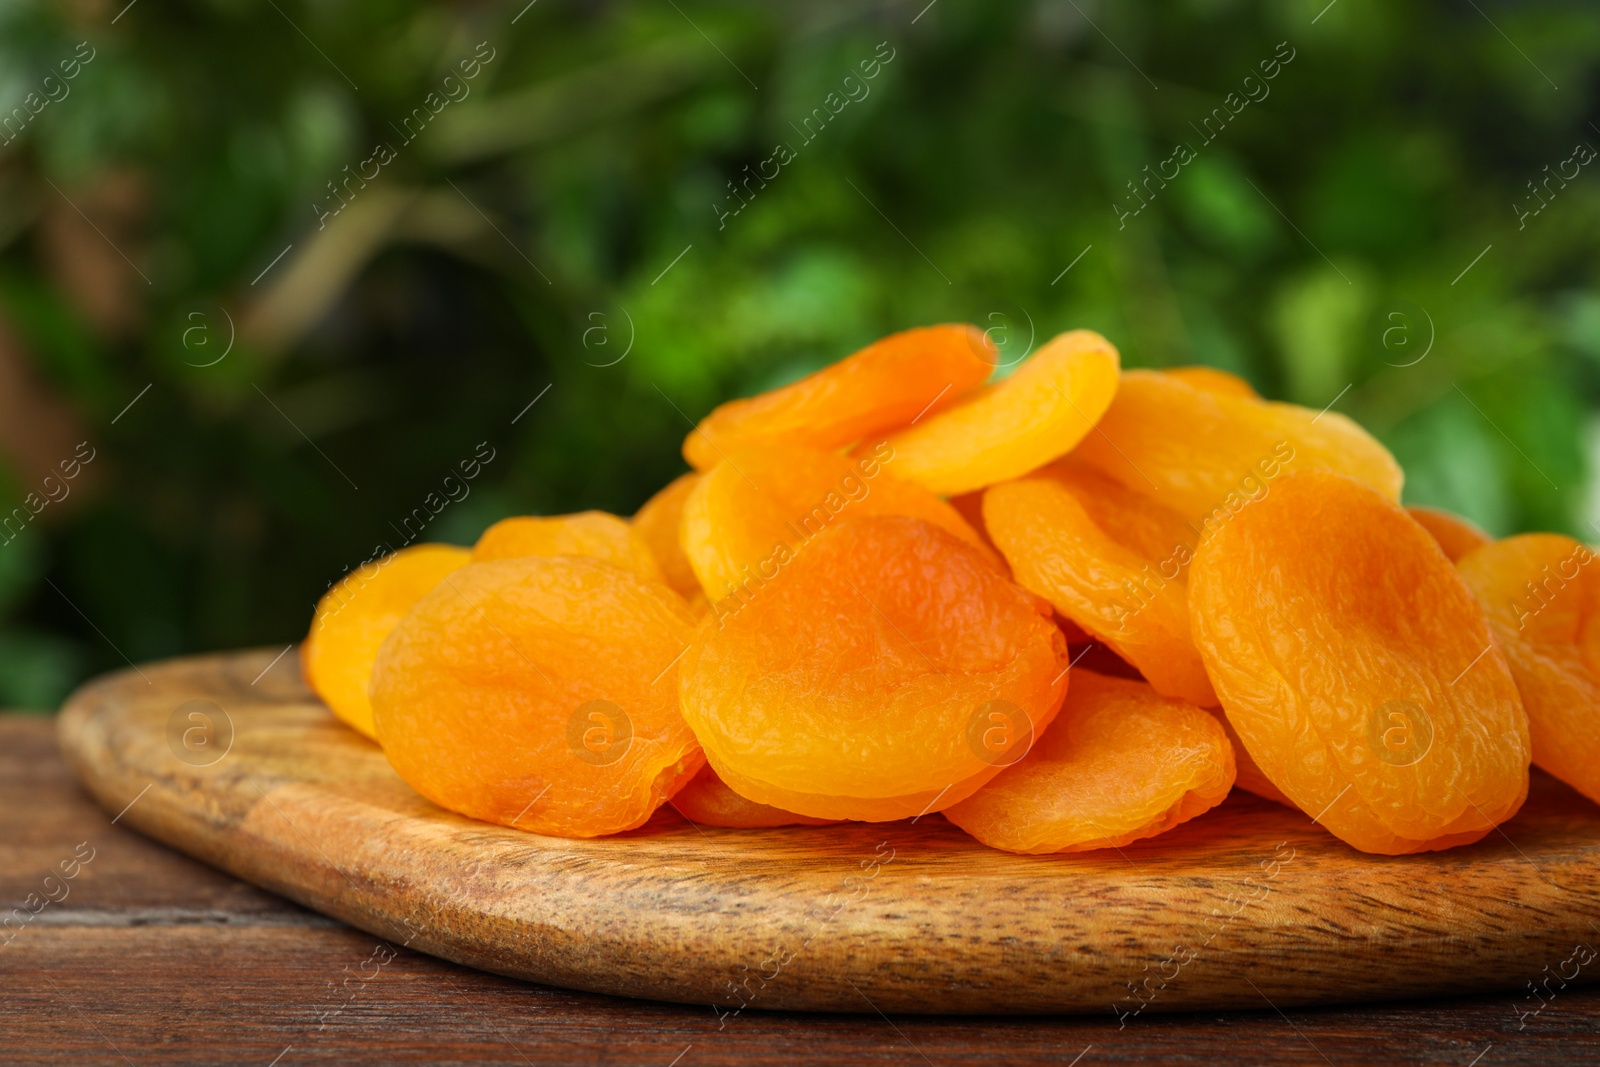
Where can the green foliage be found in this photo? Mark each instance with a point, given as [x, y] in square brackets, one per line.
[576, 204]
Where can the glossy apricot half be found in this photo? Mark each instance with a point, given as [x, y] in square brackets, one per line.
[595, 534]
[885, 385]
[1358, 669]
[891, 669]
[1018, 424]
[541, 693]
[1119, 763]
[355, 617]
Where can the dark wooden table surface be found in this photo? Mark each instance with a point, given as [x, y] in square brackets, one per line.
[149, 957]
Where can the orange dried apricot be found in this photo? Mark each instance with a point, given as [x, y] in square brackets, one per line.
[708, 801]
[596, 534]
[355, 616]
[1542, 593]
[885, 385]
[539, 692]
[1213, 380]
[1121, 762]
[1455, 535]
[1207, 455]
[1110, 560]
[1249, 777]
[1358, 669]
[1016, 425]
[659, 522]
[856, 684]
[753, 513]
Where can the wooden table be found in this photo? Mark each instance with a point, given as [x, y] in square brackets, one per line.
[153, 958]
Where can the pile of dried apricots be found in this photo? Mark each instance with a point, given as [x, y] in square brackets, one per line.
[869, 598]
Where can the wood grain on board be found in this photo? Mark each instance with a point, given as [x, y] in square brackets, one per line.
[1251, 904]
[155, 958]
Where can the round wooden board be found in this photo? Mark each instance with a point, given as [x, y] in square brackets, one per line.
[1248, 905]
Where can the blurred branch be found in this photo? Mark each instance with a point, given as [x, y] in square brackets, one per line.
[317, 276]
[551, 109]
[333, 258]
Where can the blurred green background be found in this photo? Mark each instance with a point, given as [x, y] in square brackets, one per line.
[313, 331]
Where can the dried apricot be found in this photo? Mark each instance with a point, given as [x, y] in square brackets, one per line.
[596, 534]
[356, 615]
[1120, 762]
[753, 513]
[1455, 535]
[1213, 380]
[539, 692]
[1110, 560]
[1207, 455]
[885, 385]
[1016, 425]
[1543, 600]
[659, 522]
[855, 684]
[708, 801]
[1358, 669]
[1249, 777]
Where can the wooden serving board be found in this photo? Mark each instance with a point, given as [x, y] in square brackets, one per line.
[1250, 905]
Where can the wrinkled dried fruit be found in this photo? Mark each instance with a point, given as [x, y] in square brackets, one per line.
[1109, 559]
[1455, 535]
[860, 683]
[1357, 668]
[751, 516]
[1207, 455]
[658, 523]
[595, 534]
[861, 397]
[1120, 762]
[540, 693]
[1016, 425]
[1249, 777]
[1542, 593]
[707, 801]
[356, 615]
[1213, 380]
